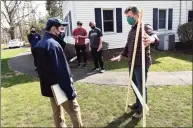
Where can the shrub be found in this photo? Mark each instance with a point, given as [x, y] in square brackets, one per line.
[185, 32]
[105, 45]
[70, 52]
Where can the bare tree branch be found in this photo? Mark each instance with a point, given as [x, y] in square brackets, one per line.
[4, 28]
[15, 8]
[10, 3]
[14, 15]
[7, 10]
[22, 17]
[8, 21]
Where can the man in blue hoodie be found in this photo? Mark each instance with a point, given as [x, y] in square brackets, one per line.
[53, 68]
[33, 39]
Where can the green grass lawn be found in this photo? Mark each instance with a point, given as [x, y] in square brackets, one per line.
[162, 61]
[102, 106]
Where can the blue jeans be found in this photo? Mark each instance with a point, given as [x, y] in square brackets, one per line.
[137, 80]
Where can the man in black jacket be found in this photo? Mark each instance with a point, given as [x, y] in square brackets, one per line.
[33, 39]
[53, 69]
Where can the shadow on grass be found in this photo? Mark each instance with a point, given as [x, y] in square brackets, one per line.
[24, 64]
[11, 78]
[172, 54]
[117, 122]
[123, 64]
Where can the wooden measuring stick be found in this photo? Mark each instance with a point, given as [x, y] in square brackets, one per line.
[143, 69]
[140, 97]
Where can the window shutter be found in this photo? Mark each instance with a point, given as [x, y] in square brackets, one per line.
[67, 27]
[98, 18]
[170, 17]
[155, 18]
[119, 19]
[70, 20]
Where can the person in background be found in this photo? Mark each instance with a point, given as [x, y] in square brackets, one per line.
[53, 68]
[132, 14]
[33, 39]
[95, 46]
[79, 35]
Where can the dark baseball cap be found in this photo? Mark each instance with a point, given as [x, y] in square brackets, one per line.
[79, 23]
[55, 22]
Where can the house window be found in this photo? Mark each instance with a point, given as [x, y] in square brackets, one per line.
[108, 20]
[190, 16]
[162, 19]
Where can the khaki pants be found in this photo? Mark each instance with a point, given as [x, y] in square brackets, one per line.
[72, 108]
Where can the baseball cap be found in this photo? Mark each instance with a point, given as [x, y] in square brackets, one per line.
[55, 22]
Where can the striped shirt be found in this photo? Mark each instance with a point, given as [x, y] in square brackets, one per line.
[128, 50]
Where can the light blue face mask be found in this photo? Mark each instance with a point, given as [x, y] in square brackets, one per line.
[130, 20]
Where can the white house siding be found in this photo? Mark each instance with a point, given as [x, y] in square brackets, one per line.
[68, 6]
[186, 6]
[84, 11]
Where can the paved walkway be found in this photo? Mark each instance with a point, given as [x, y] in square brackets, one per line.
[24, 63]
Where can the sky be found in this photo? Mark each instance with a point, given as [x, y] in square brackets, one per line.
[41, 7]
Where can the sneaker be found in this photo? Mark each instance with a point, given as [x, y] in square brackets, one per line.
[133, 106]
[95, 69]
[138, 114]
[102, 70]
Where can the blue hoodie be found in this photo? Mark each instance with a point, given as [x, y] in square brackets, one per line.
[53, 67]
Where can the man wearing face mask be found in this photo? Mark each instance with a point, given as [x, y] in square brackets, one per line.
[61, 40]
[53, 69]
[33, 39]
[95, 46]
[132, 14]
[79, 34]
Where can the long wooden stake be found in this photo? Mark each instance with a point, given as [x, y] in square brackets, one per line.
[143, 69]
[139, 97]
[133, 59]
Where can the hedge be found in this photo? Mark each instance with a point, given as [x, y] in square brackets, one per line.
[70, 52]
[185, 32]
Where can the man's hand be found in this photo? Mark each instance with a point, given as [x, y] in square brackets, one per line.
[118, 58]
[89, 48]
[75, 37]
[148, 40]
[99, 48]
[79, 36]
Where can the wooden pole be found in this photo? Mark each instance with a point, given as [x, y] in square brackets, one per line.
[143, 69]
[133, 59]
[139, 97]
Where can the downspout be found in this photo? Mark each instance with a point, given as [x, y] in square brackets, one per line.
[73, 15]
[180, 12]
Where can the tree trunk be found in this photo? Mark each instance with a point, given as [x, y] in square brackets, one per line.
[21, 32]
[11, 33]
